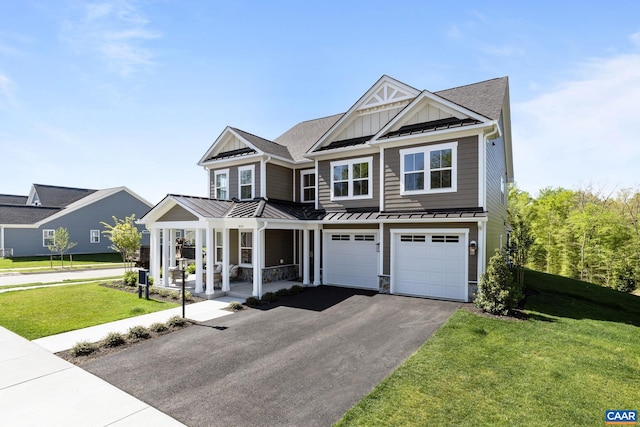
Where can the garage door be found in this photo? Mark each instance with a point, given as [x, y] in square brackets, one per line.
[430, 264]
[351, 259]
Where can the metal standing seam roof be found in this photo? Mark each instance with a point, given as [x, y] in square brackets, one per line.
[431, 126]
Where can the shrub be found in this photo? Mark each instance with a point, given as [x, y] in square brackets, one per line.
[188, 296]
[236, 306]
[295, 289]
[176, 322]
[130, 278]
[269, 297]
[113, 339]
[191, 269]
[623, 278]
[139, 332]
[83, 348]
[150, 280]
[283, 292]
[252, 301]
[498, 293]
[174, 294]
[164, 292]
[158, 327]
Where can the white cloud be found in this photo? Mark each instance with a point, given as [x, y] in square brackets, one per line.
[117, 32]
[6, 88]
[583, 131]
[635, 38]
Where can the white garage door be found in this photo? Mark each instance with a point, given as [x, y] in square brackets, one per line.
[351, 259]
[430, 264]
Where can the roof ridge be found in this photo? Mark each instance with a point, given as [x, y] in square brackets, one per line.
[471, 84]
[257, 136]
[64, 188]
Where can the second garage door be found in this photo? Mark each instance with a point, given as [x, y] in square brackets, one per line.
[430, 264]
[351, 259]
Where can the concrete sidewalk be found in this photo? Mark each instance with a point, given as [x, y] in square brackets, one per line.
[38, 388]
[18, 279]
[199, 311]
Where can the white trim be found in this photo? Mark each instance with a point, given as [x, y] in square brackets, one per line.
[91, 236]
[350, 180]
[381, 249]
[382, 181]
[326, 235]
[482, 171]
[215, 183]
[263, 177]
[253, 249]
[459, 231]
[304, 172]
[241, 169]
[317, 204]
[426, 150]
[48, 234]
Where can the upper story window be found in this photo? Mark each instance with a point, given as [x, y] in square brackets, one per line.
[94, 236]
[221, 184]
[48, 238]
[246, 182]
[308, 185]
[351, 179]
[429, 169]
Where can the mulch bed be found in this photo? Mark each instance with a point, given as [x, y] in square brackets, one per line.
[119, 285]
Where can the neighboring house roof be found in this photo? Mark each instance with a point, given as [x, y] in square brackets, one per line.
[54, 196]
[14, 214]
[10, 199]
[302, 136]
[485, 97]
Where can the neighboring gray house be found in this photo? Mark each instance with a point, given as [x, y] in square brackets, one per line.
[27, 223]
[404, 193]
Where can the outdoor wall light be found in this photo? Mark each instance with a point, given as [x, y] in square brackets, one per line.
[473, 246]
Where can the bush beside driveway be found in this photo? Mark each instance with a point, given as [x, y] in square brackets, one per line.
[304, 360]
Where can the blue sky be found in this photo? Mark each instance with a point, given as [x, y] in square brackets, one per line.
[103, 94]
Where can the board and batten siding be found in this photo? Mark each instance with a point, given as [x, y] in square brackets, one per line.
[233, 180]
[496, 202]
[473, 235]
[324, 186]
[466, 195]
[369, 123]
[279, 182]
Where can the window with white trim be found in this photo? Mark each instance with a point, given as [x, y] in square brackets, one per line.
[221, 184]
[246, 247]
[219, 247]
[48, 238]
[429, 169]
[352, 179]
[308, 185]
[94, 236]
[246, 182]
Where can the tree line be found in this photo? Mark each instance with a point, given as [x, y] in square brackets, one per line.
[585, 234]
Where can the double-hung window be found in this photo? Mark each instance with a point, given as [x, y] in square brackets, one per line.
[352, 179]
[246, 247]
[246, 182]
[94, 236]
[221, 184]
[429, 169]
[48, 238]
[307, 185]
[219, 246]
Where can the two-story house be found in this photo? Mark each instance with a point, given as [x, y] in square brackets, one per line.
[404, 193]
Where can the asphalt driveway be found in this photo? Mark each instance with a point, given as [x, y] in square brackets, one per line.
[304, 361]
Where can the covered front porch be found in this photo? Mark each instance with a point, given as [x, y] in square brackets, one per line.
[234, 246]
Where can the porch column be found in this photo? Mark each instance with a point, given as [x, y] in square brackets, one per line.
[211, 248]
[199, 269]
[256, 258]
[154, 254]
[166, 243]
[316, 257]
[172, 248]
[305, 256]
[226, 286]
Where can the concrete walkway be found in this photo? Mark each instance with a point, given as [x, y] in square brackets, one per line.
[58, 277]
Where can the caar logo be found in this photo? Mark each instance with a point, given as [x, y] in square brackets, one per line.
[620, 417]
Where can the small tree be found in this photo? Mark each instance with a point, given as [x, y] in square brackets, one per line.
[498, 293]
[125, 238]
[61, 244]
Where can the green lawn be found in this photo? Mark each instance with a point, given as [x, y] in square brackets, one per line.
[576, 356]
[44, 263]
[37, 313]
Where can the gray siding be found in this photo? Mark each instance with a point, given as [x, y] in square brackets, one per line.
[324, 187]
[28, 241]
[496, 205]
[298, 182]
[278, 246]
[473, 235]
[466, 195]
[279, 182]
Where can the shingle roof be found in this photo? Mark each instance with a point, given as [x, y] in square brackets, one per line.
[60, 197]
[485, 97]
[11, 199]
[14, 214]
[300, 138]
[265, 145]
